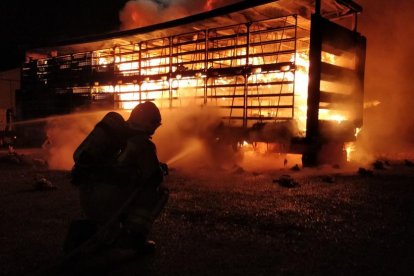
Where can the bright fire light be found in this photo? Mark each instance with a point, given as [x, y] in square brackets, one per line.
[278, 94]
[129, 93]
[150, 89]
[349, 149]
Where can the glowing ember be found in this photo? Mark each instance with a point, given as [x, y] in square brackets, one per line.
[349, 149]
[357, 131]
[209, 5]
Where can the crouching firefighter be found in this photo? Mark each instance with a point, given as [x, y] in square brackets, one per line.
[120, 181]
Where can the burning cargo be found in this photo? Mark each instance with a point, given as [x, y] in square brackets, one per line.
[284, 72]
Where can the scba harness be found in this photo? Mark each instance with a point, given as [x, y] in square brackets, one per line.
[100, 149]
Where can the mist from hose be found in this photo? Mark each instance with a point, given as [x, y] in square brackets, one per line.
[180, 139]
[186, 139]
[184, 153]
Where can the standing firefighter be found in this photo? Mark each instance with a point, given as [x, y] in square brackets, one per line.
[119, 178]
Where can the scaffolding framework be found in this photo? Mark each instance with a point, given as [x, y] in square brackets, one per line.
[280, 70]
[296, 81]
[246, 70]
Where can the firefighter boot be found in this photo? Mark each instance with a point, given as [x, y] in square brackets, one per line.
[143, 246]
[135, 241]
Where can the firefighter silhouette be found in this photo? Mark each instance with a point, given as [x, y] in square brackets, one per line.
[120, 178]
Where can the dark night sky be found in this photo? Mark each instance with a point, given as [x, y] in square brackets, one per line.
[26, 22]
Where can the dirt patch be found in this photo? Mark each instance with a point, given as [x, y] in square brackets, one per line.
[225, 223]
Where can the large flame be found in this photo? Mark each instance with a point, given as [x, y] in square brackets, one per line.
[158, 90]
[162, 67]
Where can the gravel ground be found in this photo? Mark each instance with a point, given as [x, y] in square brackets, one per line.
[335, 222]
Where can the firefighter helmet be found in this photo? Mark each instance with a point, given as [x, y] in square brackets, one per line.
[146, 117]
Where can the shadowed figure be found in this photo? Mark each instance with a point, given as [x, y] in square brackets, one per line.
[120, 181]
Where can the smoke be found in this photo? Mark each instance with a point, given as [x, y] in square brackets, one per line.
[139, 13]
[64, 134]
[186, 140]
[388, 127]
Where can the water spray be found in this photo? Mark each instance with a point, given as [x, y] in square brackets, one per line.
[184, 153]
[56, 117]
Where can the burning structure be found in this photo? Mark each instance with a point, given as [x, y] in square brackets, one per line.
[284, 72]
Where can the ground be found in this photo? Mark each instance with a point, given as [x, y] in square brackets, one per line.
[336, 221]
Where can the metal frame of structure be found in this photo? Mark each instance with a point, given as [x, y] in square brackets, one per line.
[206, 56]
[248, 70]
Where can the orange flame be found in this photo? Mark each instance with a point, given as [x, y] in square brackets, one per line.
[129, 93]
[349, 147]
[209, 5]
[172, 85]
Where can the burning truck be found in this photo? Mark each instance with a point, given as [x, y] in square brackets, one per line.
[286, 73]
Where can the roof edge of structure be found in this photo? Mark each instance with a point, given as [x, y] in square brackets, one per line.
[46, 47]
[246, 4]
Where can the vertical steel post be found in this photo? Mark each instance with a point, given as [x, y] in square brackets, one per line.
[170, 39]
[246, 76]
[360, 53]
[117, 96]
[294, 62]
[206, 33]
[355, 22]
[318, 7]
[315, 50]
[140, 71]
